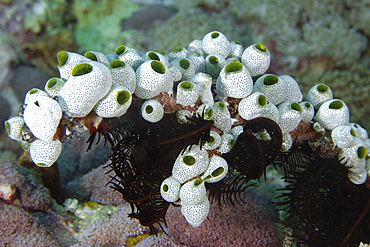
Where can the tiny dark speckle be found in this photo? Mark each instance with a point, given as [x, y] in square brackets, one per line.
[146, 16]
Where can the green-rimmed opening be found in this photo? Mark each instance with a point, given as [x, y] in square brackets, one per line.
[233, 67]
[215, 35]
[213, 60]
[188, 160]
[232, 142]
[336, 104]
[160, 52]
[211, 140]
[149, 109]
[218, 172]
[81, 69]
[197, 54]
[262, 101]
[198, 182]
[361, 152]
[270, 79]
[177, 49]
[42, 165]
[158, 67]
[91, 56]
[322, 88]
[261, 47]
[237, 42]
[7, 127]
[208, 114]
[123, 97]
[165, 187]
[33, 91]
[307, 105]
[296, 106]
[353, 132]
[153, 56]
[221, 105]
[116, 64]
[184, 63]
[51, 82]
[62, 57]
[25, 145]
[186, 85]
[120, 49]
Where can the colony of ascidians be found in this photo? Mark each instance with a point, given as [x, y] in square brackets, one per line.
[215, 90]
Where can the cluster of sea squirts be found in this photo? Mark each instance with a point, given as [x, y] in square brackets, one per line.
[214, 79]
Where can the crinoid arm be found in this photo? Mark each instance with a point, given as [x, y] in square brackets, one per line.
[322, 205]
[142, 157]
[253, 151]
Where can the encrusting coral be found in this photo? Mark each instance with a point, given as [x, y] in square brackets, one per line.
[161, 142]
[19, 228]
[29, 191]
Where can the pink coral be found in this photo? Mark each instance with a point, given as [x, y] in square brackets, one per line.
[32, 194]
[249, 224]
[19, 228]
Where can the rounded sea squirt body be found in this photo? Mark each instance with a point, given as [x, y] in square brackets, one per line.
[123, 74]
[45, 154]
[115, 103]
[343, 136]
[97, 56]
[360, 131]
[191, 163]
[271, 111]
[197, 60]
[221, 117]
[170, 189]
[176, 52]
[236, 49]
[206, 96]
[272, 87]
[129, 55]
[332, 113]
[193, 192]
[290, 116]
[34, 92]
[252, 106]
[308, 111]
[256, 59]
[196, 214]
[187, 93]
[156, 55]
[152, 77]
[67, 61]
[318, 94]
[42, 116]
[214, 63]
[152, 111]
[14, 127]
[216, 43]
[89, 83]
[53, 86]
[293, 92]
[354, 158]
[234, 81]
[184, 66]
[216, 170]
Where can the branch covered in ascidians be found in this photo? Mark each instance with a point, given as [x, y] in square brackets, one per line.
[200, 123]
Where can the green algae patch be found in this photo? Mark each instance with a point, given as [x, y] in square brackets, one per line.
[123, 97]
[98, 25]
